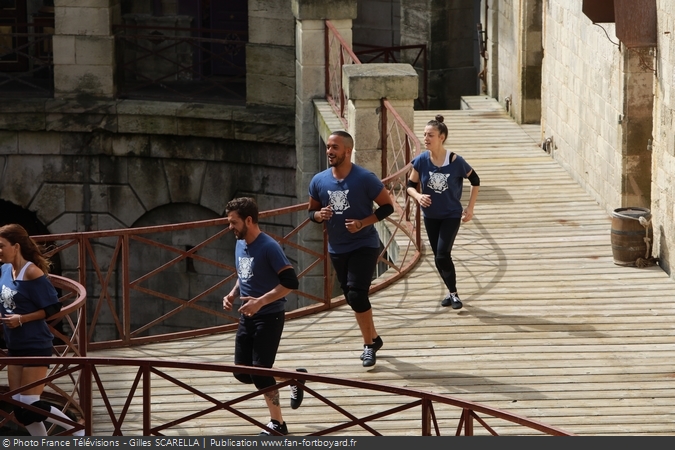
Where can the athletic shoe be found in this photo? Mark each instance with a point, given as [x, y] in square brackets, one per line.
[369, 358]
[453, 300]
[377, 344]
[276, 426]
[297, 393]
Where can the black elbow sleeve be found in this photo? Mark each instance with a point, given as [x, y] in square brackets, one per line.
[52, 309]
[412, 184]
[384, 211]
[473, 178]
[288, 279]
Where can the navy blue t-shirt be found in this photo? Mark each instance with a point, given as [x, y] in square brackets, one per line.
[258, 265]
[24, 297]
[443, 184]
[351, 198]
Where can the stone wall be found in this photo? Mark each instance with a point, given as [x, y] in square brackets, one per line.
[663, 148]
[448, 28]
[136, 156]
[378, 22]
[583, 99]
[503, 38]
[514, 49]
[270, 54]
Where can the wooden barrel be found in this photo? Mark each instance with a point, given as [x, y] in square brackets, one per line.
[628, 235]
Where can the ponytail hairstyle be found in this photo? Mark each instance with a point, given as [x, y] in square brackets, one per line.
[16, 234]
[437, 123]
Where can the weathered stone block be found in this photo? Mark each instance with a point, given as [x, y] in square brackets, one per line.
[107, 222]
[270, 60]
[267, 30]
[66, 223]
[74, 197]
[86, 3]
[81, 144]
[50, 201]
[83, 21]
[310, 82]
[76, 80]
[204, 127]
[9, 142]
[95, 50]
[147, 124]
[324, 9]
[22, 179]
[22, 121]
[150, 108]
[195, 148]
[218, 189]
[264, 124]
[310, 50]
[63, 49]
[375, 81]
[269, 90]
[81, 122]
[184, 180]
[146, 178]
[205, 111]
[39, 143]
[124, 205]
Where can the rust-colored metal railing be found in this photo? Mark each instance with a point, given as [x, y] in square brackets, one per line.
[131, 274]
[399, 146]
[338, 54]
[66, 387]
[26, 61]
[429, 413]
[189, 64]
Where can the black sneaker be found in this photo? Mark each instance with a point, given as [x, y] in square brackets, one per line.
[369, 358]
[453, 300]
[297, 393]
[377, 344]
[276, 426]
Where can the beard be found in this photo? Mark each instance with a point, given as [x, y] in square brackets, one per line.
[336, 161]
[242, 233]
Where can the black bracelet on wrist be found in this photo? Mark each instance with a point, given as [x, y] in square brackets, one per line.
[311, 216]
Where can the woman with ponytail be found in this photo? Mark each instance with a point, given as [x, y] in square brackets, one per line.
[440, 175]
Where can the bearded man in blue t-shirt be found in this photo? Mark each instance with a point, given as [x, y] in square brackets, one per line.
[342, 197]
[264, 278]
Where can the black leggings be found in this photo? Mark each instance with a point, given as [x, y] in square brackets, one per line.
[442, 234]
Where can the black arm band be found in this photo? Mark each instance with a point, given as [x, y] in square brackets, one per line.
[288, 278]
[52, 309]
[311, 216]
[473, 178]
[384, 211]
[412, 184]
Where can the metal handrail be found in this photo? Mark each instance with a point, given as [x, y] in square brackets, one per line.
[97, 258]
[155, 374]
[338, 53]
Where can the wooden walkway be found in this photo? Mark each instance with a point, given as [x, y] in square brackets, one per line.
[551, 328]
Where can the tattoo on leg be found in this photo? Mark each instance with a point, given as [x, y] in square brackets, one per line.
[273, 397]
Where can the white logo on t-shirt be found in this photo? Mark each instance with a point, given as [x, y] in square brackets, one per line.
[245, 268]
[338, 201]
[438, 182]
[7, 298]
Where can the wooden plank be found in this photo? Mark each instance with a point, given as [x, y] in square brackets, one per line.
[551, 328]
